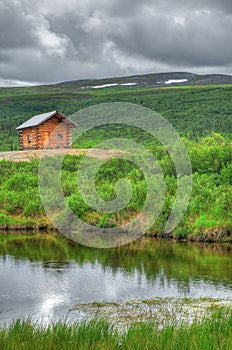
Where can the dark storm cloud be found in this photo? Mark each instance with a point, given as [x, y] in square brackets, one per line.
[14, 29]
[201, 39]
[54, 40]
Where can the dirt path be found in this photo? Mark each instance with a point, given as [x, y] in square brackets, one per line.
[26, 156]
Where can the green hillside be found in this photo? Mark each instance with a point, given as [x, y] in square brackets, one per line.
[201, 113]
[196, 111]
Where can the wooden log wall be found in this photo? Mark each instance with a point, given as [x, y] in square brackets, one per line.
[28, 138]
[46, 135]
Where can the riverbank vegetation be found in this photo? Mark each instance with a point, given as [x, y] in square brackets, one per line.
[99, 334]
[208, 216]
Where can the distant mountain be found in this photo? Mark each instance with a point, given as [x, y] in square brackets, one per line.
[154, 80]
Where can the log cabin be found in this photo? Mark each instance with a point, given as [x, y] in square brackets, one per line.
[48, 130]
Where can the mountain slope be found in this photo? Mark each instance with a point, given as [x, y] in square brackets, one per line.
[157, 80]
[196, 105]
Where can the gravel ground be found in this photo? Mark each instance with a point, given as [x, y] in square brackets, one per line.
[26, 156]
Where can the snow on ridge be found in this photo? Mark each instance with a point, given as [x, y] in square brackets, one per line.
[103, 86]
[129, 84]
[172, 81]
[108, 85]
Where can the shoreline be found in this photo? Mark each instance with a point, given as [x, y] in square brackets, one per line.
[161, 310]
[99, 333]
[214, 235]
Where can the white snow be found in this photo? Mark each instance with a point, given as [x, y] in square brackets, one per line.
[103, 86]
[167, 82]
[173, 81]
[129, 84]
[108, 85]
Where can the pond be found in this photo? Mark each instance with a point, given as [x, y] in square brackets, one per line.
[44, 275]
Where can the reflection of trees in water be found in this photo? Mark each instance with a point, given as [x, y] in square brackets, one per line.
[58, 266]
[178, 263]
[184, 287]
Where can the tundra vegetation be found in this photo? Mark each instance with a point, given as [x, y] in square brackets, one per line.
[195, 111]
[209, 212]
[202, 116]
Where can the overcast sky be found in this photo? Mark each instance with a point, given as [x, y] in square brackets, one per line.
[43, 41]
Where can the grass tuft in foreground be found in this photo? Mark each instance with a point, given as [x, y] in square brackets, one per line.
[212, 333]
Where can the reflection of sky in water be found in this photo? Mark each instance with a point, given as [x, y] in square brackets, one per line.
[47, 291]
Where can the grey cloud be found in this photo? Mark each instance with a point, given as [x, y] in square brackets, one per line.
[203, 39]
[54, 40]
[86, 42]
[15, 28]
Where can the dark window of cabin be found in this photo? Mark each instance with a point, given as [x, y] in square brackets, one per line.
[60, 136]
[28, 138]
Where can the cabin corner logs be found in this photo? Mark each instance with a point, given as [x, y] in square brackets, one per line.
[49, 130]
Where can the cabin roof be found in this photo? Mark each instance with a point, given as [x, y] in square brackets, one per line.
[41, 118]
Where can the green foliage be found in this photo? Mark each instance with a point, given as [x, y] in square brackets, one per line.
[204, 222]
[3, 219]
[196, 112]
[202, 115]
[100, 334]
[210, 205]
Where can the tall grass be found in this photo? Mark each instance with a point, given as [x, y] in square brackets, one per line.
[212, 333]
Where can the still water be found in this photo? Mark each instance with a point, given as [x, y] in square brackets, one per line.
[43, 276]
